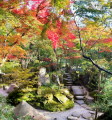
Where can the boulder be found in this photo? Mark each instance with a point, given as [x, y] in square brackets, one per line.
[24, 109]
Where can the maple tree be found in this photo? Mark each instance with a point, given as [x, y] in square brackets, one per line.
[50, 19]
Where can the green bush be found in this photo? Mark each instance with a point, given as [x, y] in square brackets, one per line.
[21, 77]
[9, 66]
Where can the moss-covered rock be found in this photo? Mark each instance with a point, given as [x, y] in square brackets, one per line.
[50, 98]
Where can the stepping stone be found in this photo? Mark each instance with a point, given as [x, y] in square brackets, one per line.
[76, 114]
[86, 115]
[80, 102]
[82, 118]
[79, 97]
[67, 79]
[78, 90]
[87, 107]
[72, 118]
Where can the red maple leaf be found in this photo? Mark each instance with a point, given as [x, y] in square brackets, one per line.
[53, 36]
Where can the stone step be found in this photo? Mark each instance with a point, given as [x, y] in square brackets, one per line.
[69, 84]
[67, 79]
[78, 90]
[66, 73]
[80, 97]
[80, 102]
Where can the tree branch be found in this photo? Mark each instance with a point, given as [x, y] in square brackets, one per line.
[89, 58]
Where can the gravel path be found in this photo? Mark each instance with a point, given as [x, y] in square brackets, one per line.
[80, 109]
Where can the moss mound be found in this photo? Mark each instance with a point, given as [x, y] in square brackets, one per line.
[49, 97]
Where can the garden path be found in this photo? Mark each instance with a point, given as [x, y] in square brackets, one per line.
[78, 112]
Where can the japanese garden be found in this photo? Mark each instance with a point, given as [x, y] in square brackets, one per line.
[55, 60]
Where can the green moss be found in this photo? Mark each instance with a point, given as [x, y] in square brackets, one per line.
[46, 97]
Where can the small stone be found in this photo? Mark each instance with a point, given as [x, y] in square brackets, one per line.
[86, 115]
[72, 118]
[80, 102]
